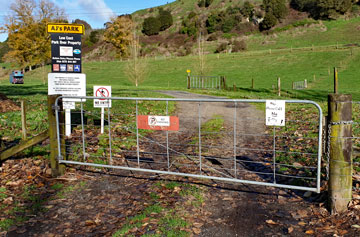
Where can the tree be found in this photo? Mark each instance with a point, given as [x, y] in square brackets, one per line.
[26, 23]
[268, 22]
[119, 33]
[151, 26]
[276, 7]
[136, 67]
[332, 8]
[165, 18]
[247, 10]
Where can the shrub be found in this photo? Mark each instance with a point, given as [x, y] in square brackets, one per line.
[276, 7]
[222, 47]
[165, 18]
[204, 3]
[247, 10]
[239, 45]
[228, 25]
[268, 22]
[151, 26]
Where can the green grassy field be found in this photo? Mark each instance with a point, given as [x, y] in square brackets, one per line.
[292, 56]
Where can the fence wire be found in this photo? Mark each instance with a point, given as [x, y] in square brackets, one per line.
[10, 120]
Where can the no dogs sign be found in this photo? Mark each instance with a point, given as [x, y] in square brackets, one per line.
[103, 92]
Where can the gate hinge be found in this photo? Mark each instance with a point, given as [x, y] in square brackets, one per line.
[60, 157]
[55, 107]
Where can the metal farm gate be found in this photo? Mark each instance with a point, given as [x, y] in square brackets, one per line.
[219, 139]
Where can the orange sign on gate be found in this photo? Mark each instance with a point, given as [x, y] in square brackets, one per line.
[151, 122]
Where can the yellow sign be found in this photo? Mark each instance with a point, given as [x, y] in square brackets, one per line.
[188, 71]
[65, 28]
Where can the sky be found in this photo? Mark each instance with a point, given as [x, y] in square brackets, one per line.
[95, 12]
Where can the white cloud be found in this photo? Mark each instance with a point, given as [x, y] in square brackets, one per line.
[96, 9]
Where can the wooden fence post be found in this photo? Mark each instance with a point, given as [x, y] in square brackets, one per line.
[188, 82]
[56, 168]
[252, 83]
[336, 81]
[234, 87]
[279, 86]
[23, 120]
[340, 167]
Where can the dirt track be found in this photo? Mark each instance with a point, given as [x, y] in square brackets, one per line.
[104, 204]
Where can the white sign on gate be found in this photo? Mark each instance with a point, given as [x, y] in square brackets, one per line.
[103, 92]
[275, 113]
[67, 84]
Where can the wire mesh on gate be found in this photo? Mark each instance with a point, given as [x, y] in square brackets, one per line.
[217, 139]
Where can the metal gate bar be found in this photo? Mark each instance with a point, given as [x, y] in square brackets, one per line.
[188, 159]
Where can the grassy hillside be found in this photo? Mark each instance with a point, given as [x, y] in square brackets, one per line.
[307, 52]
[181, 8]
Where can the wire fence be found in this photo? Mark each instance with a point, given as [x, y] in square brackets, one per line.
[11, 120]
[216, 139]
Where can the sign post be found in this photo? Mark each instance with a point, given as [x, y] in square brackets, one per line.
[102, 92]
[66, 77]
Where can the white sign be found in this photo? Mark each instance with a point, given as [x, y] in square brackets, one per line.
[103, 92]
[159, 121]
[275, 113]
[67, 84]
[68, 105]
[66, 51]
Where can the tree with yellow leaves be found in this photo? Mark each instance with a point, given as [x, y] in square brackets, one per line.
[26, 27]
[119, 33]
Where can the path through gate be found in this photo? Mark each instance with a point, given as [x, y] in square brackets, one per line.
[219, 139]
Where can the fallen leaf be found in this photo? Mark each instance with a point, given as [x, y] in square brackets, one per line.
[89, 222]
[356, 226]
[302, 223]
[271, 222]
[309, 232]
[198, 225]
[196, 230]
[290, 229]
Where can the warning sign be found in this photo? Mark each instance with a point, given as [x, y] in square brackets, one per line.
[275, 113]
[166, 123]
[103, 92]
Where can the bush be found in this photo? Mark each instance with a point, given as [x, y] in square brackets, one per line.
[247, 10]
[95, 36]
[204, 3]
[228, 25]
[268, 22]
[222, 47]
[165, 18]
[151, 26]
[276, 7]
[239, 45]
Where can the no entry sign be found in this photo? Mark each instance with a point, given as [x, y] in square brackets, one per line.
[150, 122]
[103, 92]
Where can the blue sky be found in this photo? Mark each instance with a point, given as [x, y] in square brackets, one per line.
[95, 12]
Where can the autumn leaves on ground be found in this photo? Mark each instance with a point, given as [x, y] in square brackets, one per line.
[100, 202]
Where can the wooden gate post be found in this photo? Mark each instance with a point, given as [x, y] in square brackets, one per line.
[56, 168]
[340, 167]
[279, 86]
[23, 120]
[188, 82]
